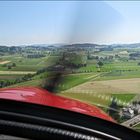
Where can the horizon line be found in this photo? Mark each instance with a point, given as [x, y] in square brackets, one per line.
[49, 44]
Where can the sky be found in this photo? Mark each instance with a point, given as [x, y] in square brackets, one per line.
[51, 22]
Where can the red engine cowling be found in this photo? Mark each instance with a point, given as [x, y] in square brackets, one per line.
[43, 97]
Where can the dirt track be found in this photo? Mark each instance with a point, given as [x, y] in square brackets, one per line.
[5, 62]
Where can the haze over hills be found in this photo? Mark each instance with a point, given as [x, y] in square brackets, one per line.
[82, 45]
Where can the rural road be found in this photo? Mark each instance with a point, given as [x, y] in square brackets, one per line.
[132, 122]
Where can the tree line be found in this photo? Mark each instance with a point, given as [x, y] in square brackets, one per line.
[5, 83]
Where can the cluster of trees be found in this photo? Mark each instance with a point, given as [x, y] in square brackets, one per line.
[4, 83]
[100, 64]
[139, 63]
[136, 102]
[11, 50]
[4, 49]
[42, 70]
[27, 77]
[106, 49]
[35, 55]
[24, 49]
[134, 56]
[117, 56]
[73, 60]
[92, 57]
[125, 70]
[9, 66]
[89, 57]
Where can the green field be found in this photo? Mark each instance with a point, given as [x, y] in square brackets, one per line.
[23, 67]
[26, 64]
[9, 76]
[34, 83]
[137, 127]
[118, 77]
[68, 81]
[89, 98]
[103, 100]
[109, 71]
[124, 97]
[72, 80]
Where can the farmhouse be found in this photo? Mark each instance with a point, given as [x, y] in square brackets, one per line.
[127, 113]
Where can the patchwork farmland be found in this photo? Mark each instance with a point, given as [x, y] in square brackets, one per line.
[95, 75]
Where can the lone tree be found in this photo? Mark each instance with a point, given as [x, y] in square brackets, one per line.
[100, 63]
[14, 64]
[9, 66]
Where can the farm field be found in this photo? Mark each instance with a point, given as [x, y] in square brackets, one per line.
[22, 67]
[69, 81]
[116, 78]
[101, 92]
[24, 64]
[101, 100]
[137, 127]
[89, 98]
[35, 83]
[110, 86]
[124, 97]
[10, 76]
[117, 66]
[112, 75]
[4, 62]
[73, 80]
[16, 72]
